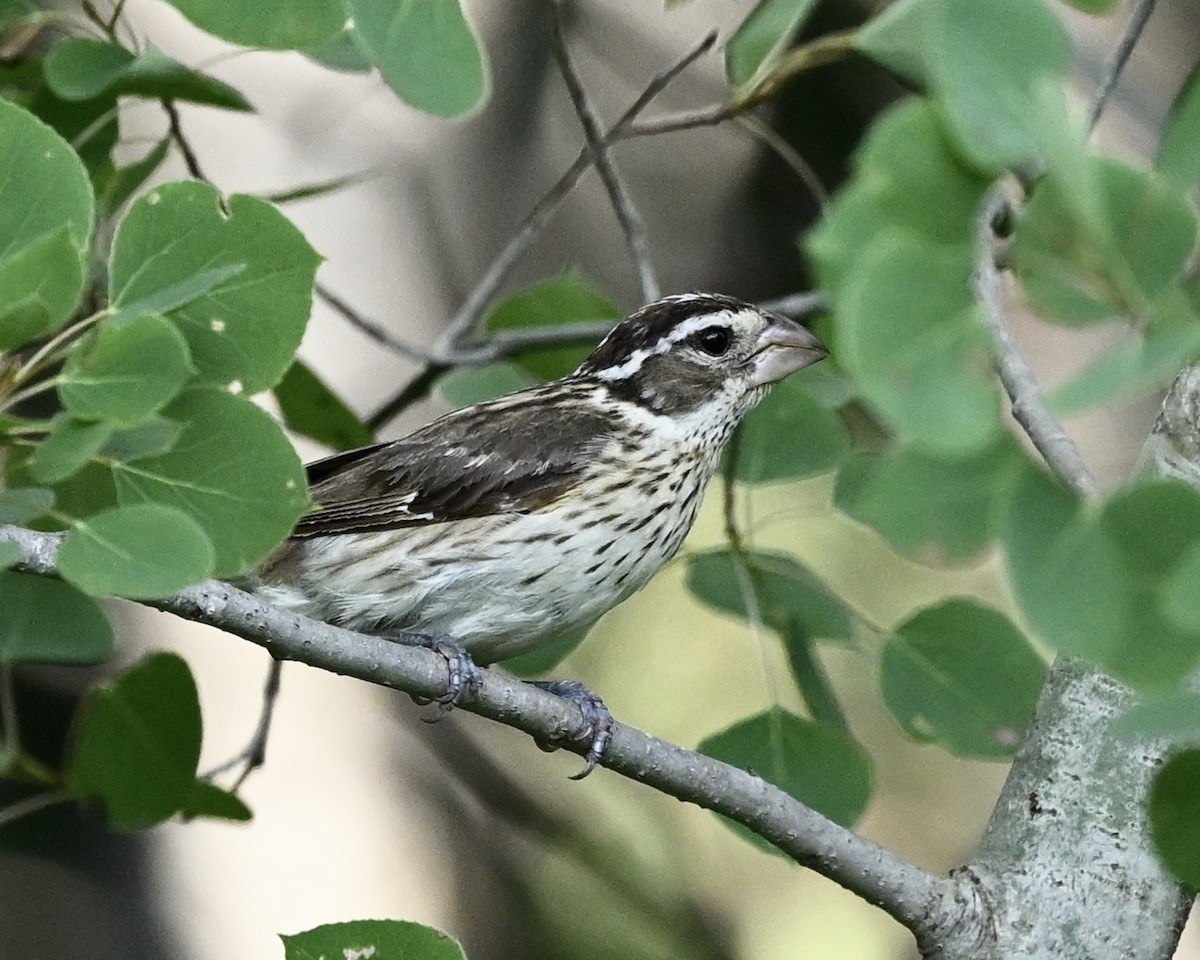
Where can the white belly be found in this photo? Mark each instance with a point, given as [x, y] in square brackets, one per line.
[496, 585]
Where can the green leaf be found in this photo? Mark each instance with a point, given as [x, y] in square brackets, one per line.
[1094, 6]
[960, 673]
[377, 939]
[208, 800]
[274, 24]
[137, 743]
[934, 508]
[1140, 363]
[1154, 528]
[126, 370]
[1179, 150]
[1099, 583]
[568, 298]
[81, 68]
[341, 53]
[125, 181]
[143, 551]
[44, 184]
[1076, 271]
[48, 621]
[906, 310]
[426, 52]
[766, 33]
[990, 66]
[22, 504]
[466, 386]
[148, 439]
[45, 222]
[1066, 576]
[895, 38]
[232, 470]
[40, 285]
[771, 587]
[1175, 815]
[822, 768]
[245, 328]
[544, 658]
[70, 444]
[1175, 716]
[790, 435]
[908, 178]
[989, 61]
[10, 554]
[310, 408]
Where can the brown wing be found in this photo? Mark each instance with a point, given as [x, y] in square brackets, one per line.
[509, 455]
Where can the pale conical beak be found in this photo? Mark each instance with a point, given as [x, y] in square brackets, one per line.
[783, 347]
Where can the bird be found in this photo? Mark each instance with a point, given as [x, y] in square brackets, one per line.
[504, 525]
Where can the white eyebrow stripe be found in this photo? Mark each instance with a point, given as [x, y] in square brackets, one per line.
[639, 357]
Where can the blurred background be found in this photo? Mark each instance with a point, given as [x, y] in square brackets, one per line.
[362, 810]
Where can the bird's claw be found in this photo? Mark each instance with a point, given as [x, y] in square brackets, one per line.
[598, 721]
[463, 678]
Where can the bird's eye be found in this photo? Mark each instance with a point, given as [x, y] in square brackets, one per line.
[714, 341]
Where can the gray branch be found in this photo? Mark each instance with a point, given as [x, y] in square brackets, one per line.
[632, 225]
[1028, 405]
[925, 904]
[466, 321]
[1120, 56]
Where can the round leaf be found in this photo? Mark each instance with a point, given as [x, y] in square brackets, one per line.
[67, 448]
[237, 285]
[274, 24]
[912, 339]
[1179, 149]
[789, 436]
[935, 508]
[137, 743]
[45, 221]
[763, 35]
[960, 673]
[126, 370]
[820, 767]
[783, 593]
[81, 68]
[48, 621]
[142, 551]
[426, 52]
[1175, 815]
[377, 939]
[232, 470]
[310, 408]
[567, 298]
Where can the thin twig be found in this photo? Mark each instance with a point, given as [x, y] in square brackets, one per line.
[32, 804]
[789, 155]
[797, 305]
[1120, 56]
[254, 755]
[632, 225]
[416, 388]
[919, 900]
[466, 320]
[1029, 407]
[185, 148]
[369, 327]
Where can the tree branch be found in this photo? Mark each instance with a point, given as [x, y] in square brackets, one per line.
[632, 225]
[1028, 405]
[922, 902]
[1120, 56]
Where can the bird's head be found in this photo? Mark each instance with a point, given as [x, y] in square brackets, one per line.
[684, 353]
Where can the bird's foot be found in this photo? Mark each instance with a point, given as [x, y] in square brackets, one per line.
[598, 722]
[463, 676]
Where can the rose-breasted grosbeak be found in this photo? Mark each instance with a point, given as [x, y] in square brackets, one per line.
[506, 524]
